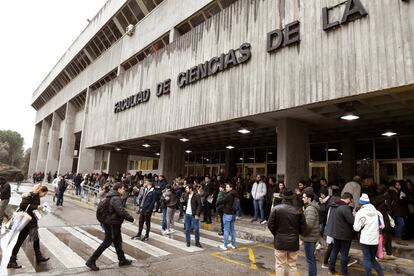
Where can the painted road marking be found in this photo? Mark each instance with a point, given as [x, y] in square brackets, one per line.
[61, 251]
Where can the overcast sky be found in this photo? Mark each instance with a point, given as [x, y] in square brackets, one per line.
[34, 35]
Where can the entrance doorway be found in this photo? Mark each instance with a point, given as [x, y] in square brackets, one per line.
[320, 169]
[254, 169]
[388, 171]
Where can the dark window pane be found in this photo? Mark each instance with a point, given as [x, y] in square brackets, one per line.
[334, 152]
[206, 157]
[226, 3]
[364, 150]
[335, 171]
[249, 156]
[271, 155]
[271, 170]
[365, 168]
[197, 20]
[407, 147]
[318, 152]
[198, 157]
[386, 148]
[149, 4]
[216, 157]
[184, 28]
[155, 164]
[238, 156]
[260, 155]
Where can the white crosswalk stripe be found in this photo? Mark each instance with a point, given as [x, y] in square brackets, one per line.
[166, 240]
[60, 250]
[99, 241]
[145, 247]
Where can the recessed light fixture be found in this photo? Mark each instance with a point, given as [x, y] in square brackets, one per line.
[146, 145]
[270, 152]
[118, 149]
[184, 139]
[349, 113]
[243, 131]
[241, 158]
[230, 147]
[188, 151]
[157, 154]
[331, 150]
[341, 154]
[389, 133]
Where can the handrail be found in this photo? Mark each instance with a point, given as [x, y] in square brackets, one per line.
[86, 193]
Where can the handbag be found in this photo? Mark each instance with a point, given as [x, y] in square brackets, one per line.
[19, 220]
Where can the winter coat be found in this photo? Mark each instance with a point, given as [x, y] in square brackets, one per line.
[286, 222]
[148, 200]
[312, 232]
[62, 186]
[323, 210]
[117, 212]
[5, 192]
[228, 201]
[340, 221]
[398, 206]
[195, 203]
[259, 190]
[269, 194]
[170, 198]
[354, 188]
[368, 220]
[33, 201]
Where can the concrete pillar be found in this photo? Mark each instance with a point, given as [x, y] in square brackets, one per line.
[292, 151]
[53, 151]
[86, 156]
[35, 150]
[174, 34]
[172, 158]
[118, 162]
[68, 140]
[43, 147]
[230, 168]
[348, 159]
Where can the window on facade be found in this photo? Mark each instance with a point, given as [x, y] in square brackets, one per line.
[238, 156]
[249, 156]
[155, 164]
[406, 147]
[216, 157]
[317, 152]
[364, 150]
[131, 165]
[271, 155]
[104, 165]
[260, 155]
[386, 148]
[334, 152]
[271, 170]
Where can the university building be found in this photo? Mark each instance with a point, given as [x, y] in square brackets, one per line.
[274, 87]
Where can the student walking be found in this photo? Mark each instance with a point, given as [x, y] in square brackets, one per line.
[146, 207]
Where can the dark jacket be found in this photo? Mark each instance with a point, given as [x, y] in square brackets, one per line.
[148, 200]
[30, 201]
[5, 191]
[228, 201]
[379, 204]
[340, 221]
[195, 203]
[269, 194]
[398, 206]
[170, 198]
[62, 186]
[117, 212]
[77, 180]
[219, 201]
[286, 222]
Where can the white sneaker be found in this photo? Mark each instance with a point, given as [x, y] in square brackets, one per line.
[231, 246]
[222, 247]
[263, 222]
[351, 262]
[171, 231]
[324, 266]
[165, 232]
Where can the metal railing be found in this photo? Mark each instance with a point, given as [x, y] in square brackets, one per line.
[85, 193]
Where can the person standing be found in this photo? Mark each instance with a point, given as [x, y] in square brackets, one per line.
[55, 184]
[271, 190]
[230, 207]
[62, 185]
[340, 228]
[369, 221]
[146, 207]
[354, 188]
[398, 205]
[112, 227]
[259, 192]
[193, 207]
[312, 233]
[19, 179]
[286, 222]
[78, 180]
[219, 207]
[5, 195]
[171, 203]
[30, 202]
[209, 189]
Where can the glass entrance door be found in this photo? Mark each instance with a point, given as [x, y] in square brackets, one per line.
[394, 170]
[408, 170]
[254, 169]
[320, 169]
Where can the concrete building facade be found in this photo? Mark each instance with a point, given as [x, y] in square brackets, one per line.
[145, 76]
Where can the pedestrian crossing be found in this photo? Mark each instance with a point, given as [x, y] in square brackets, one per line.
[70, 246]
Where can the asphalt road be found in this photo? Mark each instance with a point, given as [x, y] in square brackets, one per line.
[69, 236]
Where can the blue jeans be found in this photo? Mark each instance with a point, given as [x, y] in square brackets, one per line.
[310, 257]
[258, 207]
[228, 221]
[189, 220]
[164, 219]
[59, 199]
[399, 226]
[342, 246]
[369, 252]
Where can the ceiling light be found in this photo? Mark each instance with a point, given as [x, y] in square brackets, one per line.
[241, 158]
[188, 151]
[270, 152]
[341, 154]
[184, 140]
[389, 133]
[118, 149]
[332, 150]
[349, 113]
[243, 131]
[146, 145]
[157, 154]
[230, 147]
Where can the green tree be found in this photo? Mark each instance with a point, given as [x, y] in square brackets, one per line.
[26, 161]
[15, 143]
[4, 150]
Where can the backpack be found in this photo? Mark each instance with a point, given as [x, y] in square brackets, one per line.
[236, 204]
[102, 212]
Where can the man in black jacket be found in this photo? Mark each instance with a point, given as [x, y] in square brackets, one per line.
[4, 196]
[229, 216]
[146, 207]
[286, 222]
[340, 228]
[77, 181]
[62, 185]
[192, 203]
[112, 226]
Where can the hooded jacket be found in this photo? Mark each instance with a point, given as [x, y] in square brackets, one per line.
[117, 212]
[368, 220]
[311, 213]
[340, 221]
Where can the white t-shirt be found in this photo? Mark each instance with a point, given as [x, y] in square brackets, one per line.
[188, 210]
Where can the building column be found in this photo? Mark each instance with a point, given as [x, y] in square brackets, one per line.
[86, 156]
[348, 159]
[43, 147]
[172, 158]
[53, 151]
[118, 162]
[292, 151]
[68, 140]
[174, 34]
[35, 150]
[230, 168]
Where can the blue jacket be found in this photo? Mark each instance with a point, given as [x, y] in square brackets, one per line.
[149, 199]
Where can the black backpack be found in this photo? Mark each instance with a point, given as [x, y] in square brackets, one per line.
[102, 212]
